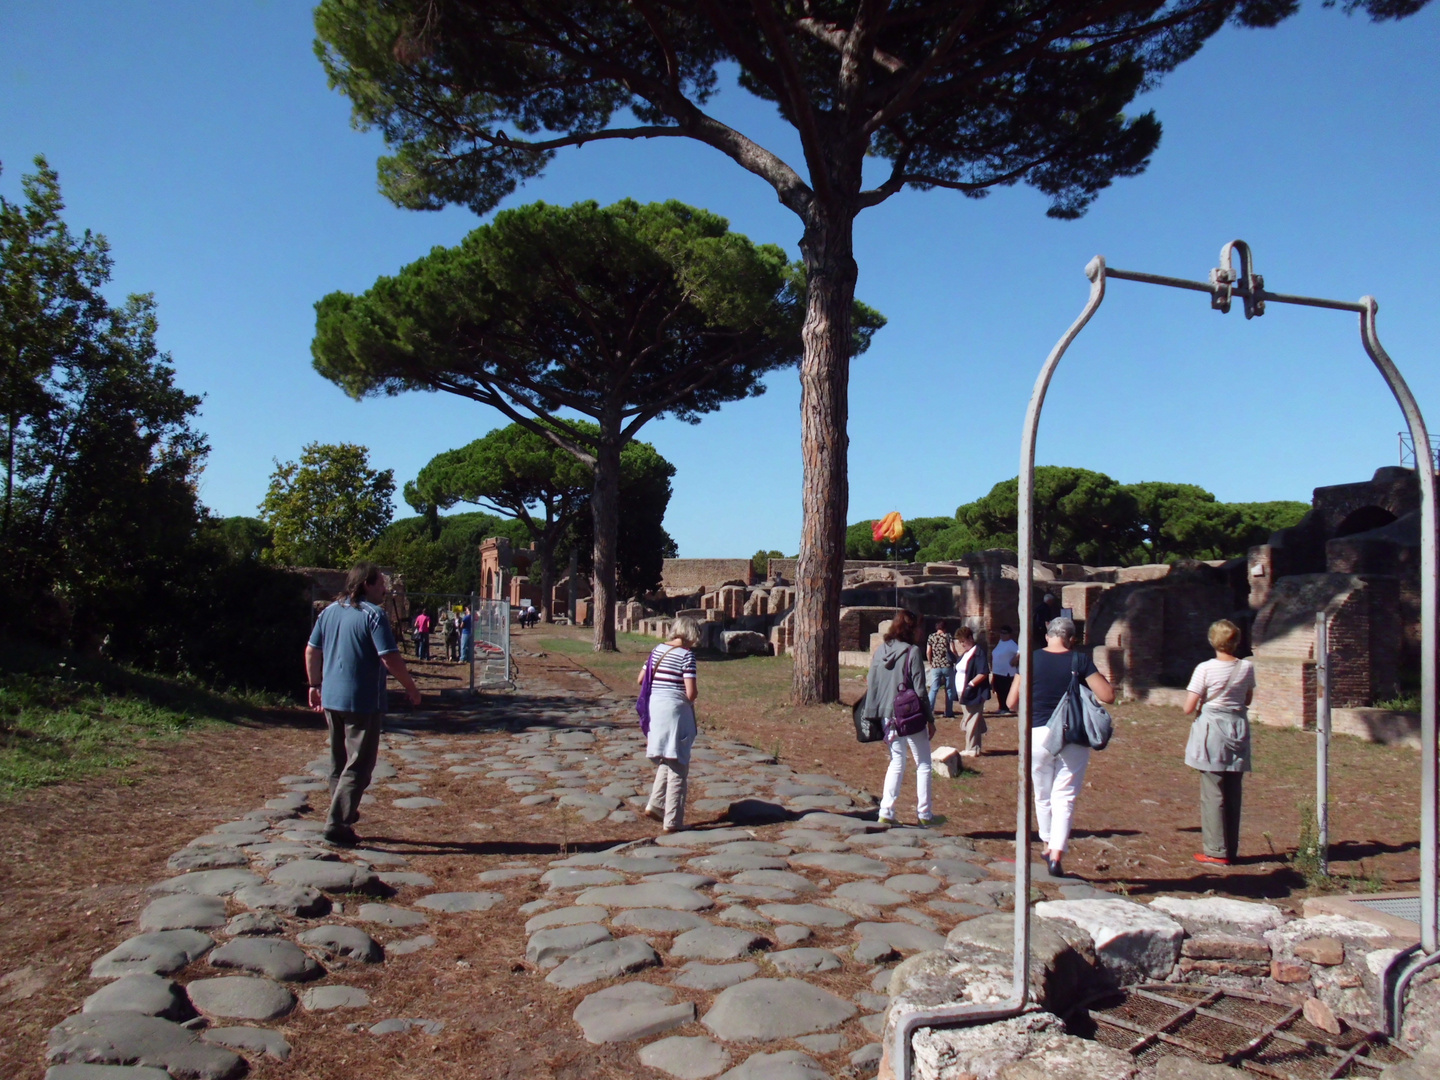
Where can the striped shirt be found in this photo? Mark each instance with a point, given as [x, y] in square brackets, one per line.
[673, 665]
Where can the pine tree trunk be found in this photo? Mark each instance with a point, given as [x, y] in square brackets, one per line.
[547, 574]
[605, 508]
[827, 247]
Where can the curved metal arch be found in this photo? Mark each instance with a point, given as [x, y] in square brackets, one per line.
[1223, 284]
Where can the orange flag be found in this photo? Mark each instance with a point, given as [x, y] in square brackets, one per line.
[889, 528]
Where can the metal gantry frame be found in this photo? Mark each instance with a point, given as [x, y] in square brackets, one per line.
[1224, 286]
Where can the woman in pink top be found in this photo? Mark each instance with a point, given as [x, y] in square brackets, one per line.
[422, 636]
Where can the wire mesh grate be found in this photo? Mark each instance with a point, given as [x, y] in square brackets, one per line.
[1261, 1035]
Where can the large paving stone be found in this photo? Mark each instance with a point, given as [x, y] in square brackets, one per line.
[274, 958]
[736, 864]
[158, 953]
[915, 884]
[398, 879]
[764, 1009]
[407, 946]
[953, 871]
[333, 877]
[716, 943]
[902, 936]
[804, 961]
[686, 1057]
[240, 997]
[629, 1011]
[131, 1039]
[349, 942]
[417, 802]
[869, 892]
[782, 1065]
[300, 901]
[698, 976]
[685, 881]
[453, 902]
[254, 923]
[837, 863]
[604, 960]
[548, 948]
[703, 837]
[658, 920]
[183, 912]
[647, 895]
[1218, 914]
[388, 915]
[567, 916]
[208, 882]
[781, 879]
[841, 823]
[105, 1072]
[325, 998]
[756, 892]
[272, 855]
[148, 995]
[565, 879]
[1132, 942]
[754, 847]
[805, 915]
[253, 1040]
[206, 858]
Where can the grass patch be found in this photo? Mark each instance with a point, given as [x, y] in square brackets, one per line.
[63, 717]
[1404, 703]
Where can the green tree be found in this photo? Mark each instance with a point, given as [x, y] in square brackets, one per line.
[243, 537]
[325, 509]
[621, 315]
[106, 546]
[1175, 519]
[919, 533]
[476, 96]
[641, 543]
[441, 555]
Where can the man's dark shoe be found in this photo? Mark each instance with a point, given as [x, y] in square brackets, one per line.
[340, 836]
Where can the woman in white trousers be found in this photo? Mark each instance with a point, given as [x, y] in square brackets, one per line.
[1057, 778]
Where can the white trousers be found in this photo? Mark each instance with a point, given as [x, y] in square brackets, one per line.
[1057, 779]
[919, 747]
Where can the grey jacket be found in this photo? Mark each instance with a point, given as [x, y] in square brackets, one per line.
[887, 667]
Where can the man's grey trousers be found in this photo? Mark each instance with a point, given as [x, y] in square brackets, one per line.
[354, 744]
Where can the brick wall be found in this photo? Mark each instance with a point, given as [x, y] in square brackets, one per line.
[705, 573]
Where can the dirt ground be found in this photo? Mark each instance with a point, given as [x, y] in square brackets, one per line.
[77, 856]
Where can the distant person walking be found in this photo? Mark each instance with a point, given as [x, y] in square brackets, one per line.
[941, 659]
[898, 664]
[467, 636]
[531, 615]
[1057, 778]
[972, 672]
[349, 644]
[1219, 743]
[422, 636]
[673, 690]
[1003, 668]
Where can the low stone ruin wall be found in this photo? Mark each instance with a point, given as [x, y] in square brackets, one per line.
[1329, 965]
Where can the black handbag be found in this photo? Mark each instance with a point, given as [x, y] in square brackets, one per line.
[867, 728]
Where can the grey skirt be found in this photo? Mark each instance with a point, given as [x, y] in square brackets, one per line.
[672, 727]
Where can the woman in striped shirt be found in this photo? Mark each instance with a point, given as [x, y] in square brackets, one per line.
[672, 721]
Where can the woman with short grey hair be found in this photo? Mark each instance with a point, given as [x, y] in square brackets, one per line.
[1057, 778]
[672, 721]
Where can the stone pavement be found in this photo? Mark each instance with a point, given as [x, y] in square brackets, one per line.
[759, 949]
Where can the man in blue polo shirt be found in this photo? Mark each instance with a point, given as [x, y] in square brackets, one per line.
[351, 640]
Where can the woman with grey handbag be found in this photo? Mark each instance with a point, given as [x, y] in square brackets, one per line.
[1219, 743]
[895, 693]
[1057, 777]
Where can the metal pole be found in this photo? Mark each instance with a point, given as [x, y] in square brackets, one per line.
[1425, 470]
[1322, 738]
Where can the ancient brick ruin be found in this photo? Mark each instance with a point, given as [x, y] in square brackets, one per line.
[1355, 555]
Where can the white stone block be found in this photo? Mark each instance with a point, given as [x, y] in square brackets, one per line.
[1216, 914]
[1132, 942]
[945, 761]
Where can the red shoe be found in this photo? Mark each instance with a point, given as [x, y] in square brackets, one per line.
[1210, 860]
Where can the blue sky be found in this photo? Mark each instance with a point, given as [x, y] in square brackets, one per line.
[202, 140]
